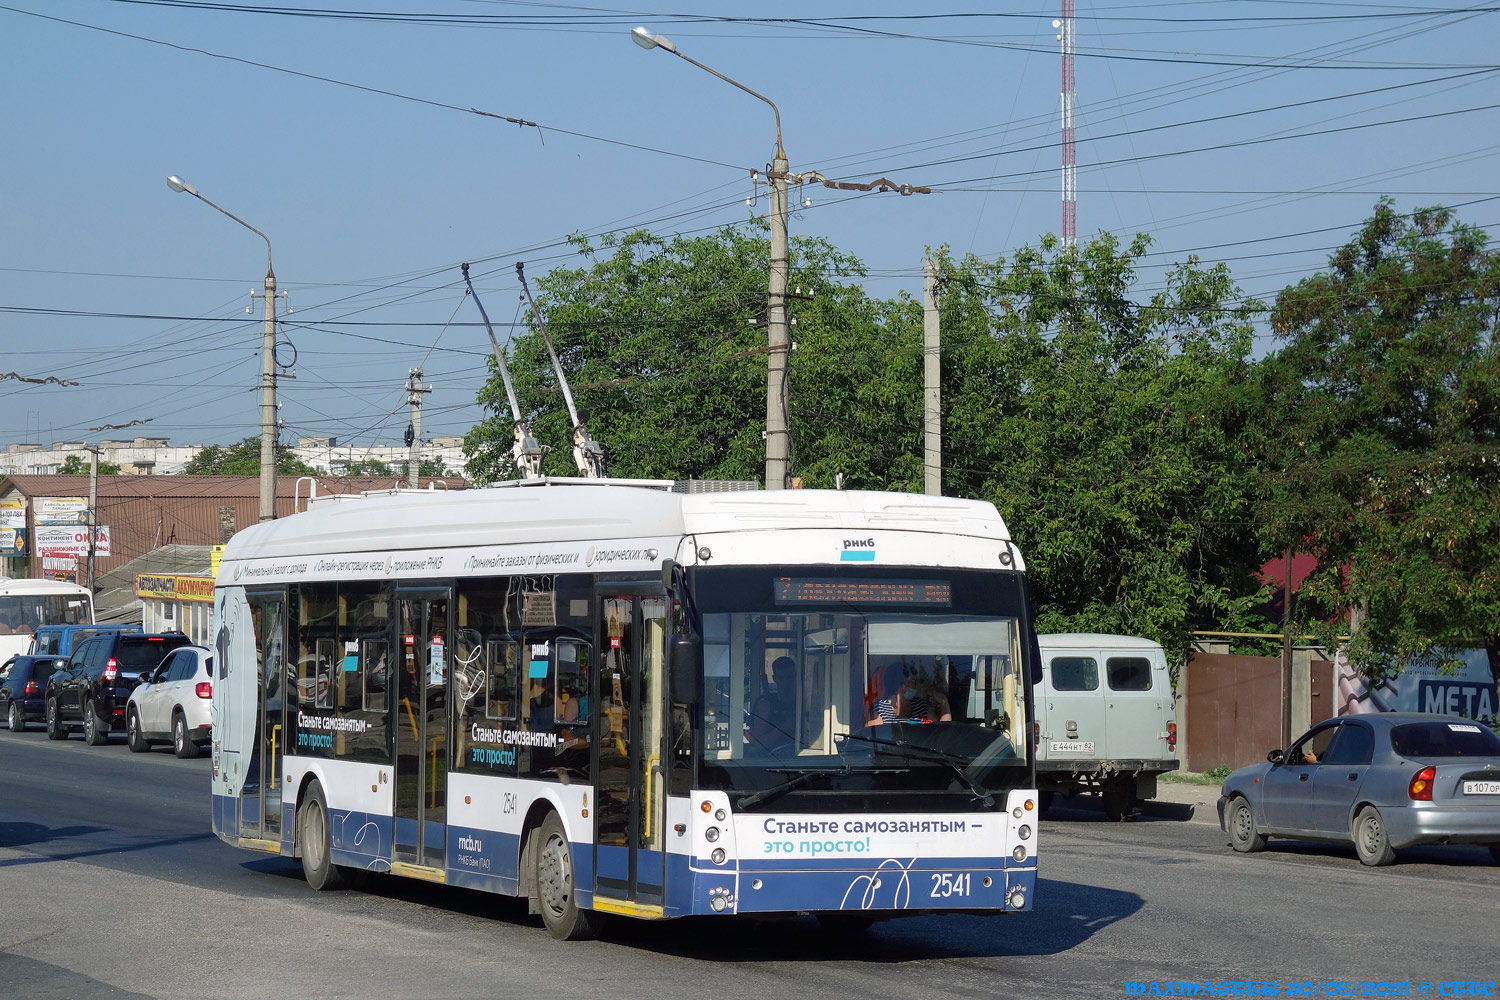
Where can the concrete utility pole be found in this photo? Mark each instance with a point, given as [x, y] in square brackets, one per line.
[414, 393]
[932, 389]
[777, 432]
[267, 363]
[93, 509]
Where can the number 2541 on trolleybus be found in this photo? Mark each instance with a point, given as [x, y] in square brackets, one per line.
[615, 699]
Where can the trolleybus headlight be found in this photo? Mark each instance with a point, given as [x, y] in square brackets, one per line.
[1019, 853]
[1016, 812]
[721, 815]
[711, 834]
[1024, 831]
[717, 903]
[718, 855]
[705, 805]
[1017, 899]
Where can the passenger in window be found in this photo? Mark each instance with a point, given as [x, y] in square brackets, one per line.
[900, 694]
[773, 717]
[543, 708]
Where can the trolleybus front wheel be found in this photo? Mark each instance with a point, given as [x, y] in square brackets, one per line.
[555, 890]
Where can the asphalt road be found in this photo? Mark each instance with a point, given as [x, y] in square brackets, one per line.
[111, 885]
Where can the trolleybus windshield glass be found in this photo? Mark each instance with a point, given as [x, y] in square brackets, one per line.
[912, 660]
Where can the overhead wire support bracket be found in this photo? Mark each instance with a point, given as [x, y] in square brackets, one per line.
[526, 451]
[588, 454]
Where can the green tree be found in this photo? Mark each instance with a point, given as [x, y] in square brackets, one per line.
[659, 340]
[243, 459]
[75, 465]
[1091, 421]
[370, 467]
[1381, 417]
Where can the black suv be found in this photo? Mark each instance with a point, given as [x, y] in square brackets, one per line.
[91, 691]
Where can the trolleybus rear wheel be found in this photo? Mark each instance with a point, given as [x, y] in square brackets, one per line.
[314, 843]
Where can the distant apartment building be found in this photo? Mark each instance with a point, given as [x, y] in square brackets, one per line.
[140, 456]
[330, 458]
[144, 456]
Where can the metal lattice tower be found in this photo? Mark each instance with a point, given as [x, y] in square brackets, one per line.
[1064, 26]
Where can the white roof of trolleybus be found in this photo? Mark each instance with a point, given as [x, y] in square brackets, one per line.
[29, 586]
[593, 510]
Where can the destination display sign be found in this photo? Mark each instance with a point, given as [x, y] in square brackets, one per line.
[829, 590]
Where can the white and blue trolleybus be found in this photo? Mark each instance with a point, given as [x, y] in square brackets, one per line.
[613, 698]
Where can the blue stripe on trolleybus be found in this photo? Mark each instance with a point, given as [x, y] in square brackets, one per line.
[857, 555]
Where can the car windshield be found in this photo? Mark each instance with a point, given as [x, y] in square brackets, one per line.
[1444, 739]
[864, 682]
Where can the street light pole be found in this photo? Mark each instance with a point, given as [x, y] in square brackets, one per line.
[267, 364]
[777, 432]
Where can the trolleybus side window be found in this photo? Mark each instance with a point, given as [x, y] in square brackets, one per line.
[486, 678]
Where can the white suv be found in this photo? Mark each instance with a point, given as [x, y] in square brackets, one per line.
[173, 703]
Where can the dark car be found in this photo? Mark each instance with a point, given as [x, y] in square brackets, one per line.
[1383, 781]
[23, 690]
[90, 692]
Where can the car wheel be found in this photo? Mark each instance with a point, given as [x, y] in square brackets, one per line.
[15, 719]
[181, 744]
[55, 730]
[95, 729]
[314, 842]
[554, 886]
[1370, 839]
[1495, 852]
[1044, 802]
[134, 738]
[1243, 834]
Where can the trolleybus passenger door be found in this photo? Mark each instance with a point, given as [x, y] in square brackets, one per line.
[421, 726]
[260, 798]
[629, 846]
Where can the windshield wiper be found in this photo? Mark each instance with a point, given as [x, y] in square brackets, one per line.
[799, 777]
[956, 762]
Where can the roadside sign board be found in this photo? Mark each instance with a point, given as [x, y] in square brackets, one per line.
[58, 539]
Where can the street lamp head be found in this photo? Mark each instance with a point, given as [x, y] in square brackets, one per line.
[646, 40]
[178, 184]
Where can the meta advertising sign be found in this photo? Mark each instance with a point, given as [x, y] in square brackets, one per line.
[1468, 693]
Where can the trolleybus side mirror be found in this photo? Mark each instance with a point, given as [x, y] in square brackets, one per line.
[685, 653]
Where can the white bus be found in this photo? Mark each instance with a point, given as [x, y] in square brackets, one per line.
[27, 604]
[612, 698]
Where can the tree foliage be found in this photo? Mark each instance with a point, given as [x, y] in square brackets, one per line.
[1381, 415]
[243, 459]
[74, 465]
[1086, 419]
[1091, 422]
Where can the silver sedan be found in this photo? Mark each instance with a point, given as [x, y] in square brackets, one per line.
[1383, 781]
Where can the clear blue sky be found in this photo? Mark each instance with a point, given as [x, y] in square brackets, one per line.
[1221, 129]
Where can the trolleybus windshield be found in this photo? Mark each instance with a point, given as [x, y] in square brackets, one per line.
[830, 682]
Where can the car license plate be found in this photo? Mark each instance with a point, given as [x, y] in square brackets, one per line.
[1071, 746]
[1482, 787]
